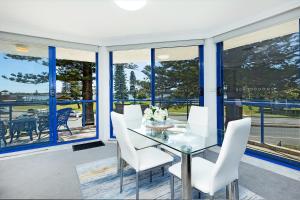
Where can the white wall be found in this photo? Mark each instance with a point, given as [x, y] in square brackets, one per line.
[210, 88]
[103, 91]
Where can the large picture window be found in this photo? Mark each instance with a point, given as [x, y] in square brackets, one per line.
[36, 111]
[131, 78]
[176, 83]
[24, 87]
[177, 80]
[262, 81]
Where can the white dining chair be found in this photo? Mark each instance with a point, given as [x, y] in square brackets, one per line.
[210, 177]
[133, 118]
[198, 124]
[140, 160]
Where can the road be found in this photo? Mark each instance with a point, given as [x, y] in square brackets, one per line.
[284, 130]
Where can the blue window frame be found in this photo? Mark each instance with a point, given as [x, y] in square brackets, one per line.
[153, 99]
[53, 136]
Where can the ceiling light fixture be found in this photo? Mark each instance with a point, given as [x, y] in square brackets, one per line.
[131, 5]
[22, 48]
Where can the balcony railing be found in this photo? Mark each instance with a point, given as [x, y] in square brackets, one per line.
[274, 123]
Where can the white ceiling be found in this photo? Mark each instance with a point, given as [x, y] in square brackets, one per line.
[101, 22]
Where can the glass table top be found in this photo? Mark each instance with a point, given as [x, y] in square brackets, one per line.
[177, 135]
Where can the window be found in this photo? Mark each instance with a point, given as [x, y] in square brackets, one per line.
[177, 80]
[24, 96]
[76, 90]
[131, 78]
[262, 81]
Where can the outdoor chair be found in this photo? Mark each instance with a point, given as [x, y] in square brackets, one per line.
[62, 117]
[2, 132]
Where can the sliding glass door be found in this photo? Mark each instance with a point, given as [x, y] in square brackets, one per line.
[24, 96]
[48, 95]
[75, 94]
[262, 81]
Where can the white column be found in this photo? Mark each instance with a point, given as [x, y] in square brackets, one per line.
[103, 91]
[210, 85]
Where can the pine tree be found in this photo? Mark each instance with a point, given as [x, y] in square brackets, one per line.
[132, 83]
[120, 83]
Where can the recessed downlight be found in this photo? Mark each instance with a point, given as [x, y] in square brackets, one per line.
[131, 5]
[22, 48]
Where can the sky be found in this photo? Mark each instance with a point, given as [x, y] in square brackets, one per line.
[8, 66]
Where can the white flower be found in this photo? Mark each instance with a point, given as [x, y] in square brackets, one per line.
[148, 114]
[160, 114]
[156, 113]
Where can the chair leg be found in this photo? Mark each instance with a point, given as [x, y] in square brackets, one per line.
[199, 194]
[137, 185]
[118, 158]
[163, 171]
[228, 191]
[121, 174]
[204, 154]
[172, 186]
[232, 190]
[235, 190]
[69, 129]
[150, 176]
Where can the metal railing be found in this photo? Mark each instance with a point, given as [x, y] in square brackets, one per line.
[11, 104]
[262, 105]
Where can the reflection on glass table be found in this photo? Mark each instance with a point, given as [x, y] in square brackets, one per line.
[177, 135]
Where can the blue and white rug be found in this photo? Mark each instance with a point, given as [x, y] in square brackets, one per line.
[99, 180]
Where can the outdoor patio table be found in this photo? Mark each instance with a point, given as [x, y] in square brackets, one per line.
[180, 138]
[27, 124]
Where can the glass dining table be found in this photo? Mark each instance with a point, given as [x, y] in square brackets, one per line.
[179, 136]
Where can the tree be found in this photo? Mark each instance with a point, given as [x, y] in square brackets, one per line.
[132, 83]
[120, 87]
[266, 70]
[120, 83]
[79, 74]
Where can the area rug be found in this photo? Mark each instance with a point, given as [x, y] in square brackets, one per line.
[99, 180]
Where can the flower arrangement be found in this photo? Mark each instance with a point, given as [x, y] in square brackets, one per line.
[155, 113]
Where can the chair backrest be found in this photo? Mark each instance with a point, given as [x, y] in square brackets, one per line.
[2, 128]
[198, 120]
[128, 152]
[232, 150]
[133, 116]
[63, 116]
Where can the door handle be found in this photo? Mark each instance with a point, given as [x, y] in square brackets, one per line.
[52, 92]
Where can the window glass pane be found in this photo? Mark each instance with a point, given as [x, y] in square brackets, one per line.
[76, 92]
[131, 78]
[177, 79]
[262, 81]
[24, 88]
